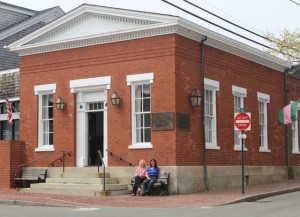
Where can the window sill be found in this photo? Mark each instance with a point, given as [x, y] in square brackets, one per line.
[45, 148]
[212, 147]
[140, 146]
[239, 148]
[264, 150]
[296, 152]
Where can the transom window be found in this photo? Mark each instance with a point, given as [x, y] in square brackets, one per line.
[95, 106]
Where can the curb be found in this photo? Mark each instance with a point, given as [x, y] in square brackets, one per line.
[256, 197]
[28, 203]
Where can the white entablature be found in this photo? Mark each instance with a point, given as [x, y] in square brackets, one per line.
[92, 25]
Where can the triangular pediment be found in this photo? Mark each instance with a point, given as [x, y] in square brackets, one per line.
[90, 25]
[91, 21]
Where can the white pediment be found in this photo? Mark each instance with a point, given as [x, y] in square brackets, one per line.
[89, 25]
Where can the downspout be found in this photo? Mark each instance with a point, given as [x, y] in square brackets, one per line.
[286, 100]
[203, 113]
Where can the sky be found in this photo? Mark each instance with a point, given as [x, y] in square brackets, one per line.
[259, 16]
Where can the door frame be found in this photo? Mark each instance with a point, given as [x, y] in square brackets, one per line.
[83, 99]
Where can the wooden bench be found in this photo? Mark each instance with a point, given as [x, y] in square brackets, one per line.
[161, 186]
[30, 175]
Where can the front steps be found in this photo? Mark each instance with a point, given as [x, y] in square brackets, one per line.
[79, 181]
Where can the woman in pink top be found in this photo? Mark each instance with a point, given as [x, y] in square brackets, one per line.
[139, 177]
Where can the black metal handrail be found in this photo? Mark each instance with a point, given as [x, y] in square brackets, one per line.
[62, 159]
[121, 158]
[38, 159]
[100, 158]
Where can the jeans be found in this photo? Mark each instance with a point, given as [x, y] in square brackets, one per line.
[148, 183]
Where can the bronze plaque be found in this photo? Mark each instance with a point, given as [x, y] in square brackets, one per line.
[163, 121]
[182, 121]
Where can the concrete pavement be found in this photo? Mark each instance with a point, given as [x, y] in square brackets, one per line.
[203, 199]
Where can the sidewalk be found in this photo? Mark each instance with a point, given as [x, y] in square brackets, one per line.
[203, 199]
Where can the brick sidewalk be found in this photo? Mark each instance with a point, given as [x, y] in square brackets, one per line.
[212, 198]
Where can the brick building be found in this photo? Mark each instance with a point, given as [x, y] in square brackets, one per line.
[154, 63]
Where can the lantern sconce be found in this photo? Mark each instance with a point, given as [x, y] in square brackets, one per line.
[60, 104]
[115, 99]
[195, 98]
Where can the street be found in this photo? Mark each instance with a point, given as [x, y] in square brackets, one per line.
[278, 206]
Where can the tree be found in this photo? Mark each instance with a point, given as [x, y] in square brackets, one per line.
[286, 45]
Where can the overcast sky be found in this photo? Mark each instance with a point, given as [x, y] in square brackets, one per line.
[256, 15]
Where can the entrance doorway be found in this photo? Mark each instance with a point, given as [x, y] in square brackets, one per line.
[95, 137]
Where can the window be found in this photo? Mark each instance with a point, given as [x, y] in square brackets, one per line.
[210, 114]
[295, 138]
[7, 131]
[263, 99]
[45, 116]
[141, 109]
[238, 94]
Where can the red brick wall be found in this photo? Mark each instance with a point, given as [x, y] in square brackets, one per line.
[175, 62]
[11, 156]
[117, 60]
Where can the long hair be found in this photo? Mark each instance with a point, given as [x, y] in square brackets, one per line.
[154, 162]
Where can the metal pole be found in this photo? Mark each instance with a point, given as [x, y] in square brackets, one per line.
[243, 175]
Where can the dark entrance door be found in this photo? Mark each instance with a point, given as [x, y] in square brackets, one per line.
[95, 137]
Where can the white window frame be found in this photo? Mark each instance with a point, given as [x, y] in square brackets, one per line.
[264, 99]
[295, 133]
[133, 80]
[41, 90]
[240, 93]
[213, 86]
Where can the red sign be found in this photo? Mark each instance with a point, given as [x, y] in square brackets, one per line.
[242, 121]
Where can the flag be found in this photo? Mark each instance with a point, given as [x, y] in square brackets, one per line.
[288, 114]
[9, 112]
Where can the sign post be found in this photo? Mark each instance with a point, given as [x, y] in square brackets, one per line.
[242, 122]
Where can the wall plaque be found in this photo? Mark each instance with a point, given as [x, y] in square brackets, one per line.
[182, 121]
[163, 121]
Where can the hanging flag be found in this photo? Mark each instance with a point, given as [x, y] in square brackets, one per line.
[288, 114]
[9, 112]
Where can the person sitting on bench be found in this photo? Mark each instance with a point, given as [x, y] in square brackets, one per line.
[151, 176]
[139, 177]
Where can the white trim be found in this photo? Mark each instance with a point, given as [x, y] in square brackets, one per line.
[166, 24]
[262, 97]
[239, 91]
[139, 78]
[263, 149]
[211, 84]
[212, 147]
[44, 88]
[295, 137]
[11, 100]
[141, 146]
[10, 71]
[47, 16]
[45, 148]
[239, 148]
[90, 84]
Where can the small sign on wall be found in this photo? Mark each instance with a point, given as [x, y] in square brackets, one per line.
[7, 135]
[163, 121]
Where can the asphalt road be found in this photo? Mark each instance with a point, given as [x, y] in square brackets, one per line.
[287, 205]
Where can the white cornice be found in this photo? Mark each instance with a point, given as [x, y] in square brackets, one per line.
[164, 25]
[43, 17]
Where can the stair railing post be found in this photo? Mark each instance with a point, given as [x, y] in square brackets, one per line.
[63, 159]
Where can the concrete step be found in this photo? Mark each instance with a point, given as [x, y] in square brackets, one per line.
[83, 180]
[84, 175]
[78, 192]
[72, 186]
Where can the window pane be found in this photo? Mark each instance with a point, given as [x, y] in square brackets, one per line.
[146, 105]
[50, 100]
[146, 90]
[147, 135]
[138, 135]
[139, 120]
[138, 105]
[138, 91]
[147, 120]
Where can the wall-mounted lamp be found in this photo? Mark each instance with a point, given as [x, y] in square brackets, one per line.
[115, 99]
[195, 98]
[60, 104]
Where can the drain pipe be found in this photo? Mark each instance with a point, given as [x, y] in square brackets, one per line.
[286, 101]
[203, 113]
